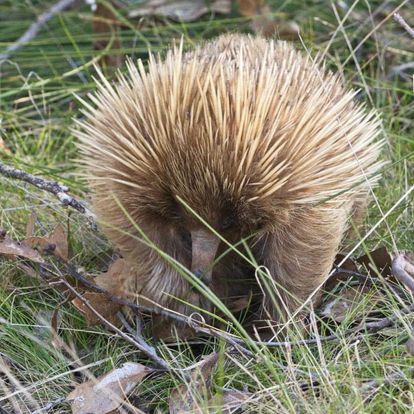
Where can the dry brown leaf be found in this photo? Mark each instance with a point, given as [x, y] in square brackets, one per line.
[13, 249]
[181, 10]
[381, 259]
[182, 398]
[59, 238]
[108, 392]
[41, 244]
[348, 301]
[56, 241]
[113, 281]
[101, 303]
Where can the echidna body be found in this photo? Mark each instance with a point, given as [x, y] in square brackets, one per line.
[250, 134]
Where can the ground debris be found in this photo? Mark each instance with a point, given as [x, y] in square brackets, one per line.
[107, 393]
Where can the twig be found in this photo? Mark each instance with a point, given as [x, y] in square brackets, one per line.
[31, 32]
[398, 18]
[60, 191]
[142, 346]
[136, 335]
[49, 406]
[399, 266]
[400, 69]
[387, 380]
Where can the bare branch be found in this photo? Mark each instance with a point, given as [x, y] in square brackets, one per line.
[400, 69]
[60, 191]
[49, 406]
[400, 268]
[142, 345]
[31, 32]
[398, 18]
[375, 384]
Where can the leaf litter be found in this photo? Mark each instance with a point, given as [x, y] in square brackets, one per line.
[107, 393]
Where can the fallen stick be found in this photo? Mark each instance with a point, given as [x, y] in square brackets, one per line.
[146, 349]
[60, 191]
[403, 271]
[399, 19]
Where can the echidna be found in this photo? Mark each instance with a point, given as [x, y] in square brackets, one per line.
[250, 134]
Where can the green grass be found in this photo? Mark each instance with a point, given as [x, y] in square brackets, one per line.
[37, 107]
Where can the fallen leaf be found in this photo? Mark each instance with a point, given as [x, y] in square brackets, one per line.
[102, 305]
[41, 244]
[349, 299]
[13, 249]
[59, 238]
[113, 280]
[107, 393]
[180, 10]
[56, 242]
[379, 259]
[184, 397]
